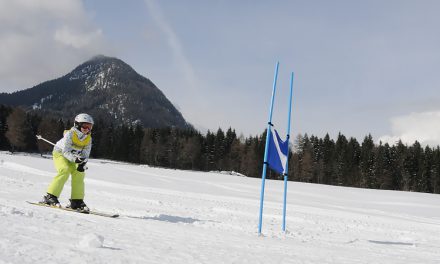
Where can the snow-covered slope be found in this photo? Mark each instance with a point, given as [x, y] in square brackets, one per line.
[172, 216]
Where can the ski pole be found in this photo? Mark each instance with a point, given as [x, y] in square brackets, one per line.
[42, 138]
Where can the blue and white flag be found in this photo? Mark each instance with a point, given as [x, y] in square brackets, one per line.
[277, 154]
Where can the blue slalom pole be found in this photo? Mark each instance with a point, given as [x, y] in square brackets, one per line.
[287, 162]
[266, 150]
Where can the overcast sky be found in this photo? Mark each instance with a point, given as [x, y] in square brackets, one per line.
[360, 66]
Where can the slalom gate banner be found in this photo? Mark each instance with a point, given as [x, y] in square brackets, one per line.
[277, 155]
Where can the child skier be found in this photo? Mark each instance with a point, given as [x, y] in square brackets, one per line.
[70, 156]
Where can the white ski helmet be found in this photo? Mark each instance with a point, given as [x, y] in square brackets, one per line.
[83, 118]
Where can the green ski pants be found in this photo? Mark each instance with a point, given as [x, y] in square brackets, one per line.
[65, 168]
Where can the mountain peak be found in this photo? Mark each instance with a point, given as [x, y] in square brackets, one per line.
[100, 67]
[105, 60]
[101, 57]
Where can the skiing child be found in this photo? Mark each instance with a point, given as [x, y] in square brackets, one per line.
[70, 156]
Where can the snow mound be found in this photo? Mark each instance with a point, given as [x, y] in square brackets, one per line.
[234, 173]
[91, 240]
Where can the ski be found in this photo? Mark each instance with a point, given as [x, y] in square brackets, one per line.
[76, 211]
[103, 214]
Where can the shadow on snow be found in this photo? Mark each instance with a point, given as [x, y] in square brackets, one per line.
[171, 219]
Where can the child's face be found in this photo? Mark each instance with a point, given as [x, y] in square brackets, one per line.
[86, 128]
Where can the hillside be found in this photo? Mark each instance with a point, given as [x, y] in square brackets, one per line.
[173, 216]
[105, 87]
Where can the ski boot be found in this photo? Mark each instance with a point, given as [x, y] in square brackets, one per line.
[51, 200]
[77, 204]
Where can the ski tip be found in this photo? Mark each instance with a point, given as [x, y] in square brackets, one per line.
[104, 214]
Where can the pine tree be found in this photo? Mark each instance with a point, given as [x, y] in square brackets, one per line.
[328, 157]
[249, 162]
[399, 153]
[305, 157]
[414, 166]
[219, 149]
[4, 113]
[341, 160]
[190, 152]
[103, 141]
[353, 161]
[34, 121]
[318, 163]
[135, 144]
[121, 147]
[436, 171]
[19, 130]
[383, 166]
[49, 129]
[231, 151]
[235, 155]
[147, 147]
[368, 164]
[424, 183]
[209, 151]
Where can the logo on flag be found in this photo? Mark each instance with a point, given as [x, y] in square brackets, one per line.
[277, 153]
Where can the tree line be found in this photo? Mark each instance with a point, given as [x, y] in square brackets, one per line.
[344, 162]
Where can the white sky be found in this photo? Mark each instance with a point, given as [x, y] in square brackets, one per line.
[360, 66]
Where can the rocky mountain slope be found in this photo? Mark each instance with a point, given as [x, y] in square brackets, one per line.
[105, 87]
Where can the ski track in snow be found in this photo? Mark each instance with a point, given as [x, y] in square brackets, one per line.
[172, 216]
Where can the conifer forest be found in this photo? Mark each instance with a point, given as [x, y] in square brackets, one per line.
[342, 161]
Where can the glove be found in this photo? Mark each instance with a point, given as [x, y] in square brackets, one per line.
[79, 160]
[81, 167]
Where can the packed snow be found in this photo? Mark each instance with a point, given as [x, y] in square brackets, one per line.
[174, 216]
